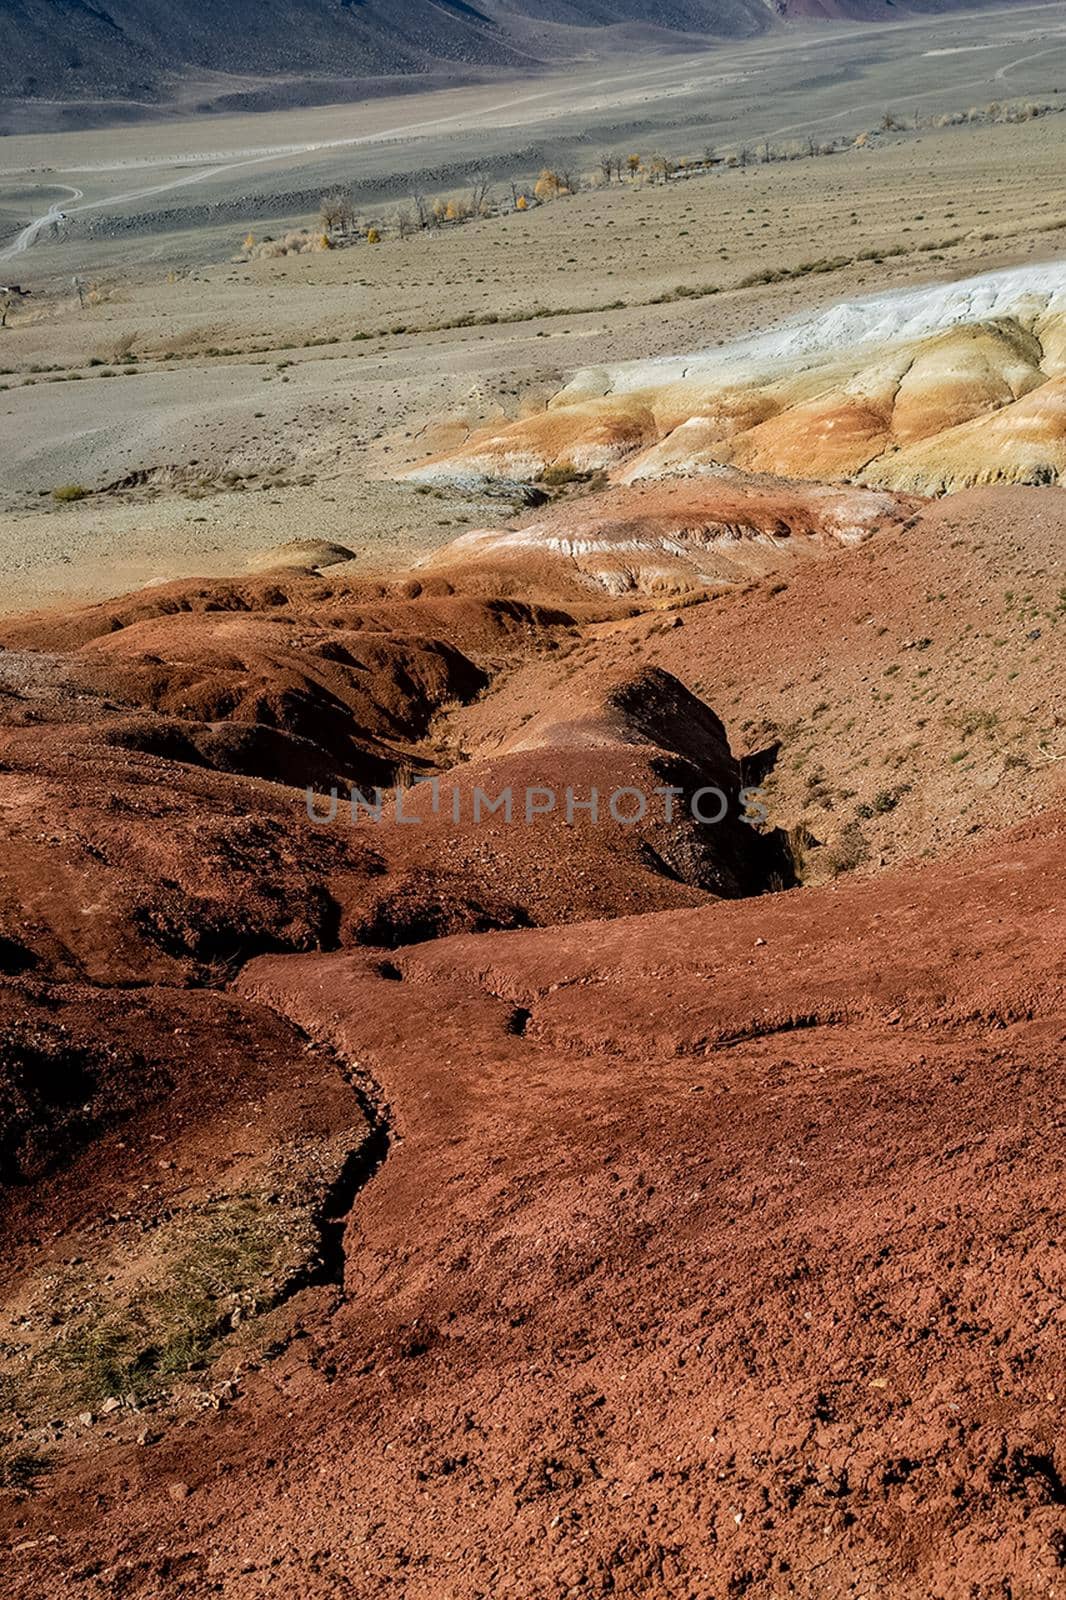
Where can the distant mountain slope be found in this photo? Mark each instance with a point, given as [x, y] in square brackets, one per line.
[151, 50]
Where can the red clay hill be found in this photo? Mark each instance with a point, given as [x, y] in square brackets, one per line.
[464, 1207]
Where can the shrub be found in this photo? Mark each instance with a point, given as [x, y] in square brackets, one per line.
[66, 492]
[976, 720]
[800, 843]
[562, 473]
[123, 347]
[848, 851]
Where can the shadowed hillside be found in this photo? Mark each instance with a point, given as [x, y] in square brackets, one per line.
[216, 56]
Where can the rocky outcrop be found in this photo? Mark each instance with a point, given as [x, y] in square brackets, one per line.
[662, 538]
[930, 390]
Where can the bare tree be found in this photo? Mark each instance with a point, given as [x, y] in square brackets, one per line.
[609, 163]
[422, 211]
[404, 222]
[744, 155]
[337, 212]
[480, 194]
[328, 212]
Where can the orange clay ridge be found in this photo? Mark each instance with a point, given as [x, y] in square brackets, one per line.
[458, 1208]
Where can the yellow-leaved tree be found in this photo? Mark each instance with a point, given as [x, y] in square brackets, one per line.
[548, 185]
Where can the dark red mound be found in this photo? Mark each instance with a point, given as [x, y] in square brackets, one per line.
[155, 784]
[625, 797]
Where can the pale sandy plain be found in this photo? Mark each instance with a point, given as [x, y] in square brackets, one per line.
[333, 372]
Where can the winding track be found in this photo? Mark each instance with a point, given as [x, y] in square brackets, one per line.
[30, 233]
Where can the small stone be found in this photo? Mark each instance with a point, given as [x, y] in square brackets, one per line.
[760, 941]
[85, 1418]
[112, 1403]
[178, 1491]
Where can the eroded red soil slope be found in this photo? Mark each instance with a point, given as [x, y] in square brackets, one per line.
[712, 1254]
[512, 1212]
